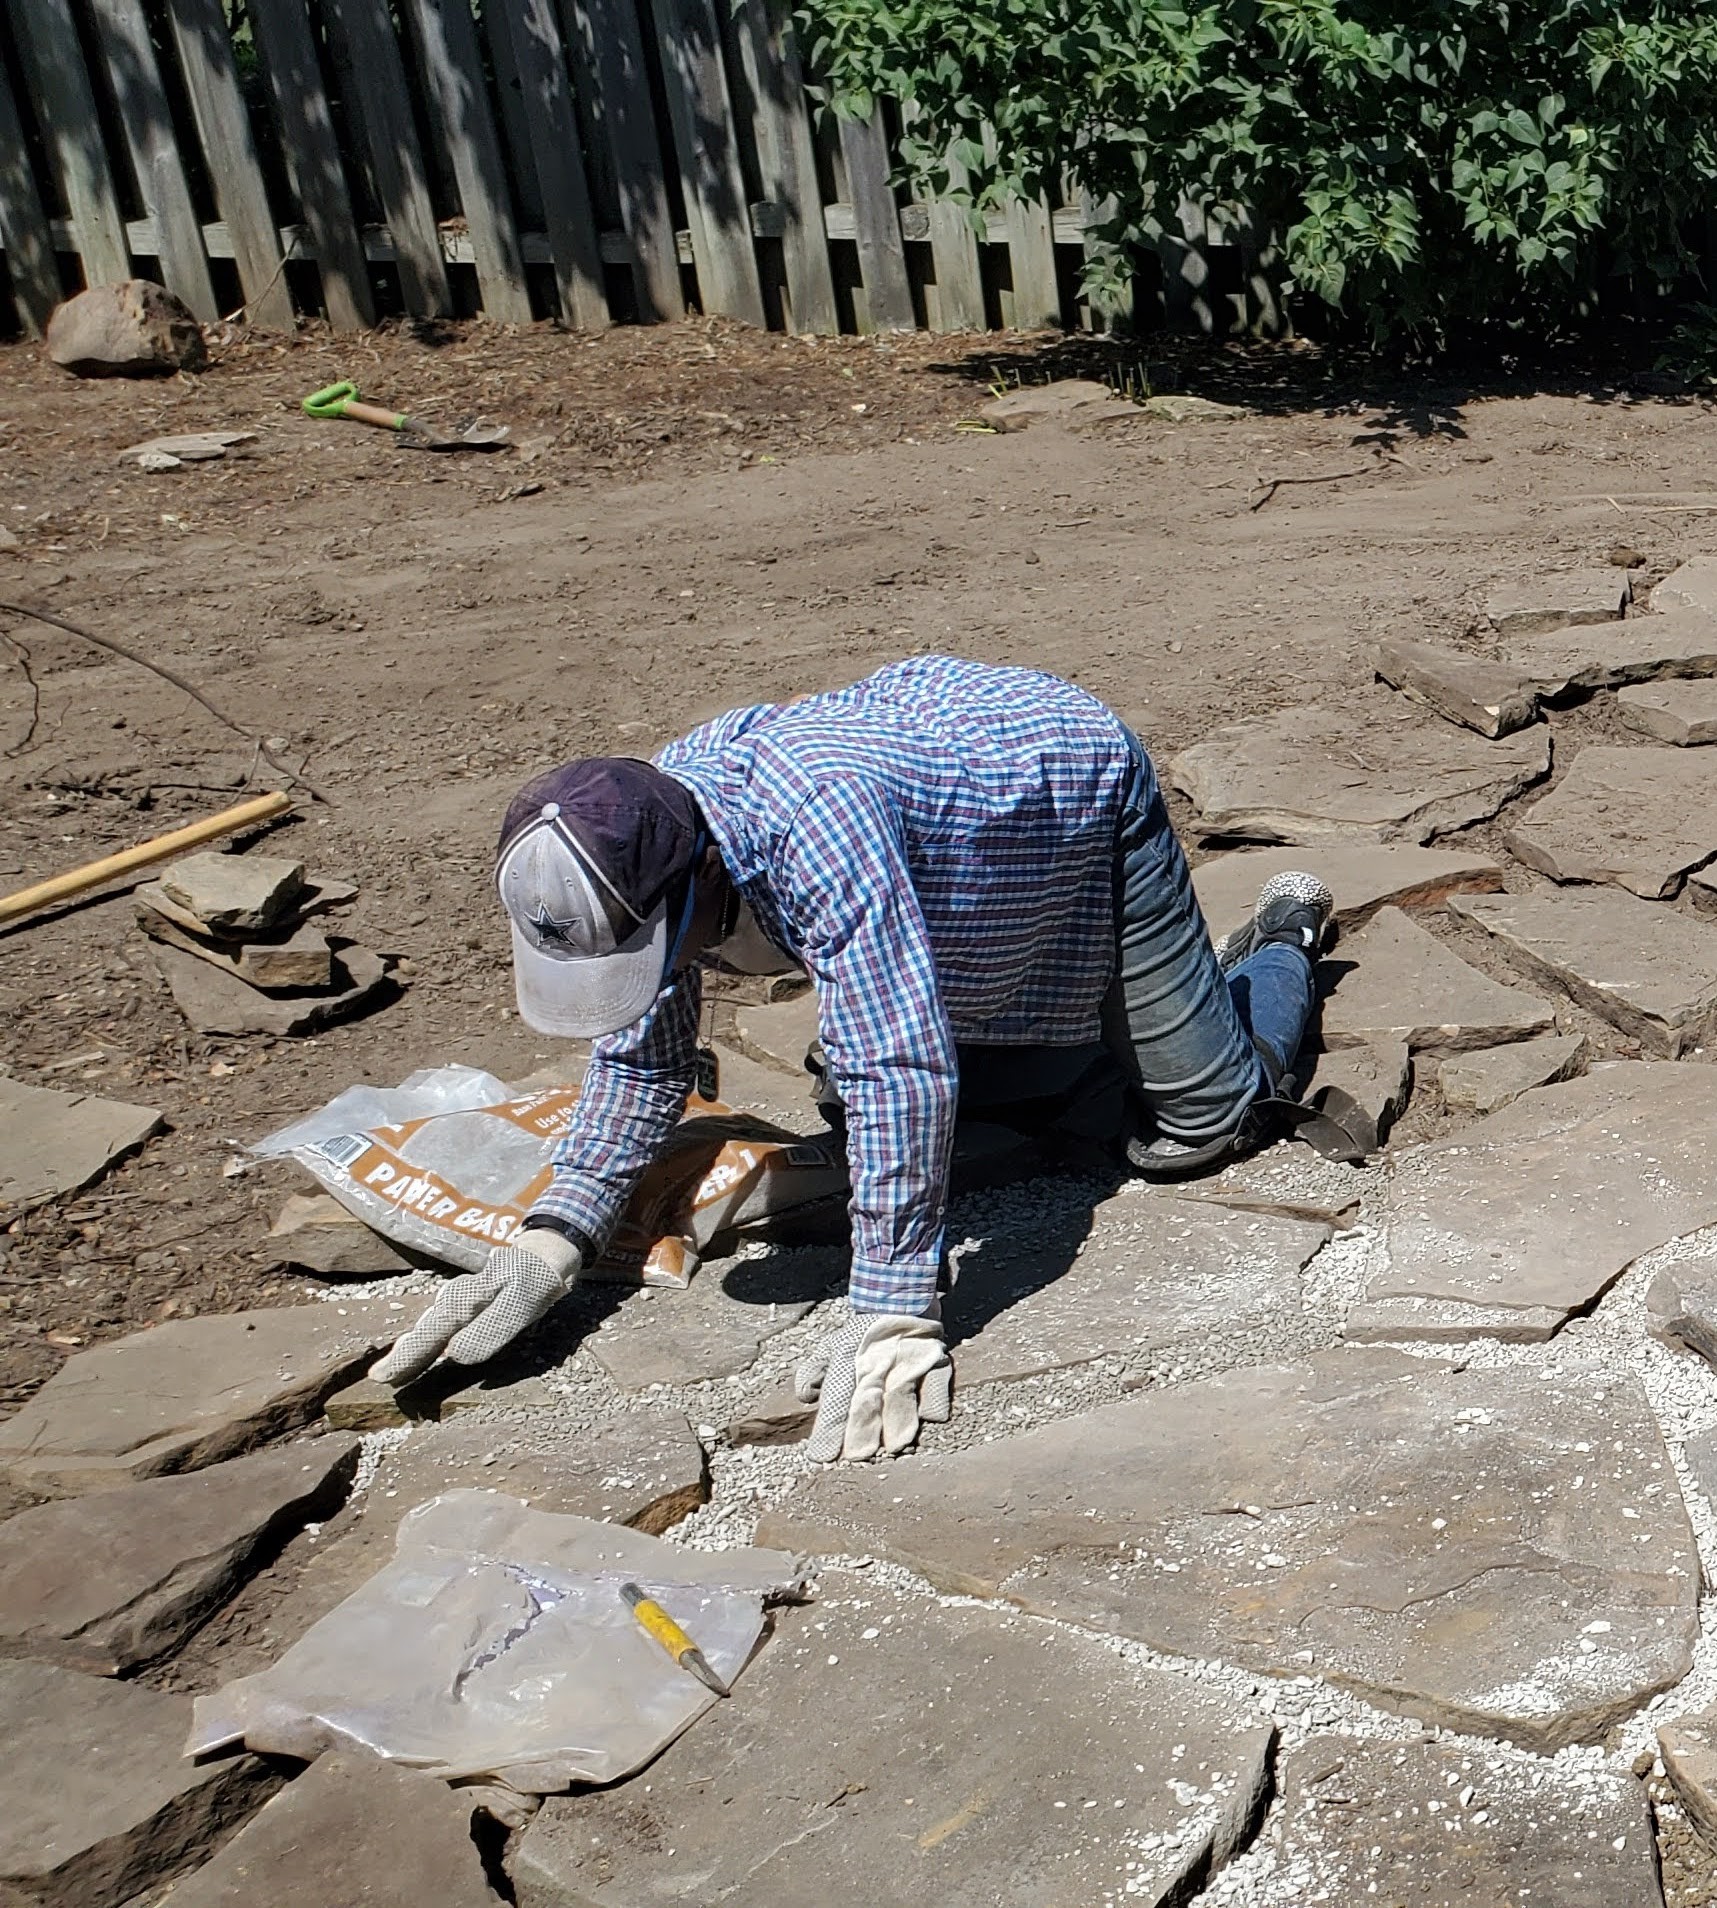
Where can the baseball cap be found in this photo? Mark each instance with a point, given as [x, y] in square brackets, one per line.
[594, 869]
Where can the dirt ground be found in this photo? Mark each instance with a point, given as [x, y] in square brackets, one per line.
[691, 518]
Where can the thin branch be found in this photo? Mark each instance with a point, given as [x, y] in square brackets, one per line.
[1273, 484]
[35, 697]
[168, 675]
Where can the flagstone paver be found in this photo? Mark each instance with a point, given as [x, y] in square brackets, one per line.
[1640, 818]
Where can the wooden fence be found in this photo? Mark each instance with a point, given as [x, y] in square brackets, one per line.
[599, 161]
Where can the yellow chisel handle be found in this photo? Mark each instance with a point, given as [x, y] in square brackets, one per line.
[656, 1622]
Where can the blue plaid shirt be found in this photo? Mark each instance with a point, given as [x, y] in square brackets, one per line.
[936, 845]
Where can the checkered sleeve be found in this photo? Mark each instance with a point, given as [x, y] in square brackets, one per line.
[886, 1033]
[634, 1093]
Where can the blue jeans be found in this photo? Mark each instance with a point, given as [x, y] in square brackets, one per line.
[1187, 1035]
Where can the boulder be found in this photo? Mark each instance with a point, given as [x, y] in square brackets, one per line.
[1353, 770]
[1086, 1780]
[1512, 1226]
[188, 1393]
[1362, 875]
[352, 1830]
[97, 1799]
[1679, 712]
[1471, 690]
[1393, 982]
[1638, 818]
[1645, 968]
[1447, 1543]
[1485, 1081]
[129, 330]
[114, 1579]
[1558, 602]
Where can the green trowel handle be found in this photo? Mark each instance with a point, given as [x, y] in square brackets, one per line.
[341, 400]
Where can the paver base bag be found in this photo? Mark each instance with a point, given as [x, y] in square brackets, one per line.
[447, 1164]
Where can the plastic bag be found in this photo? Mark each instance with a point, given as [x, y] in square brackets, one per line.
[446, 1164]
[497, 1645]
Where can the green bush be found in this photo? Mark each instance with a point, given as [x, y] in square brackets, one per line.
[1425, 168]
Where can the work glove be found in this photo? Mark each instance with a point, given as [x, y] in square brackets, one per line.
[477, 1313]
[874, 1381]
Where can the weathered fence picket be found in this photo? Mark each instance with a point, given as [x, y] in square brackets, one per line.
[547, 149]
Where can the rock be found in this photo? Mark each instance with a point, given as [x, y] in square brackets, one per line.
[188, 1393]
[779, 1033]
[53, 1142]
[1177, 408]
[318, 1233]
[214, 1002]
[128, 330]
[1350, 770]
[97, 1800]
[1511, 1226]
[1678, 711]
[189, 447]
[114, 1579]
[1646, 969]
[689, 1337]
[1424, 1825]
[234, 894]
[1691, 587]
[778, 1417]
[1639, 818]
[1062, 401]
[1608, 655]
[1073, 1740]
[298, 960]
[1362, 875]
[1419, 1529]
[318, 894]
[1395, 982]
[1701, 889]
[1681, 1309]
[1377, 1080]
[643, 1469]
[442, 1392]
[1471, 690]
[352, 1829]
[1558, 602]
[1153, 1272]
[1492, 1078]
[1688, 1747]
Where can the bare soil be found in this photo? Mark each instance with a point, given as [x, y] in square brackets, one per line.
[691, 517]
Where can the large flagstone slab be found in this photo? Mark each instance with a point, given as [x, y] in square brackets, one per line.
[189, 1393]
[1447, 1543]
[1680, 712]
[113, 1579]
[1513, 1225]
[1435, 1825]
[1607, 655]
[1352, 769]
[1647, 969]
[886, 1749]
[1362, 875]
[1393, 982]
[1639, 818]
[1152, 1272]
[1474, 691]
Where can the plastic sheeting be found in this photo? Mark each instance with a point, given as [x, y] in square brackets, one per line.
[496, 1645]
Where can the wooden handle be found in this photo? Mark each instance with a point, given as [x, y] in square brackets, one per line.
[374, 414]
[161, 848]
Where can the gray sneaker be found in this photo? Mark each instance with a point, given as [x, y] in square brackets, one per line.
[1293, 908]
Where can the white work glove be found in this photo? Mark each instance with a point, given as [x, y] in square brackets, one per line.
[477, 1313]
[873, 1382]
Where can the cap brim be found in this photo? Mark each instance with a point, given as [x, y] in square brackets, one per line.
[587, 996]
